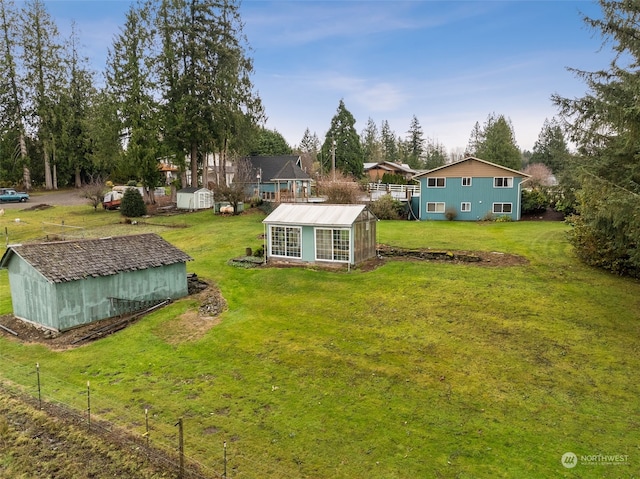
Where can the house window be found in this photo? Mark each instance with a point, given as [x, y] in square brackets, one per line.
[436, 182]
[465, 206]
[332, 244]
[504, 208]
[503, 182]
[466, 181]
[435, 207]
[285, 241]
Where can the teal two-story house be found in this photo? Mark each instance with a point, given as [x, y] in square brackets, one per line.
[469, 190]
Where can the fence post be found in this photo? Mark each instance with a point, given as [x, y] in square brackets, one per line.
[39, 390]
[146, 422]
[88, 405]
[224, 474]
[180, 448]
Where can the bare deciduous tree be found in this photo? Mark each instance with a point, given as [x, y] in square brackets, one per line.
[238, 190]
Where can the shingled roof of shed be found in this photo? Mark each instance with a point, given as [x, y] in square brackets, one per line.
[63, 261]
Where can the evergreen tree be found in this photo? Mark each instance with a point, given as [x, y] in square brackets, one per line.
[415, 144]
[496, 143]
[103, 126]
[130, 82]
[342, 140]
[434, 155]
[44, 72]
[132, 204]
[371, 144]
[605, 125]
[205, 75]
[551, 148]
[72, 122]
[15, 162]
[475, 140]
[270, 143]
[389, 145]
[308, 150]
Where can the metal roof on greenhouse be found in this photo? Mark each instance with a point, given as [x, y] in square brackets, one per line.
[316, 214]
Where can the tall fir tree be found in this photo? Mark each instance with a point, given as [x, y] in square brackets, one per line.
[72, 122]
[551, 148]
[496, 143]
[389, 144]
[371, 143]
[205, 73]
[343, 142]
[130, 81]
[415, 144]
[15, 162]
[44, 73]
[605, 125]
[309, 149]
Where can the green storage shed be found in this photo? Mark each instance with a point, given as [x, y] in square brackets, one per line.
[64, 284]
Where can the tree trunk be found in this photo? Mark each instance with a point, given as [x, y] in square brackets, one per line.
[26, 178]
[55, 177]
[26, 174]
[223, 162]
[48, 182]
[78, 178]
[205, 171]
[194, 165]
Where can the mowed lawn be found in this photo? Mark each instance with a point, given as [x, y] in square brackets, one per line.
[412, 370]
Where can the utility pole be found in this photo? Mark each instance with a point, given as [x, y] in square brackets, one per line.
[333, 158]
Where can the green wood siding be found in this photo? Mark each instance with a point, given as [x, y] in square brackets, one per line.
[65, 305]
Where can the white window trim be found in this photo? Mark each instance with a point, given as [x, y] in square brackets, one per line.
[501, 212]
[271, 253]
[466, 178]
[508, 179]
[315, 241]
[436, 203]
[436, 178]
[462, 207]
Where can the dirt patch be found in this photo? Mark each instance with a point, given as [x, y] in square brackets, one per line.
[474, 258]
[190, 326]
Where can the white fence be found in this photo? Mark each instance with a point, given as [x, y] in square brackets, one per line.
[398, 192]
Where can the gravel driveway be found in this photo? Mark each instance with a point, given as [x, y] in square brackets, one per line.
[67, 197]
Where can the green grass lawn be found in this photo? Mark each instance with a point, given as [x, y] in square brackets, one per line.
[415, 369]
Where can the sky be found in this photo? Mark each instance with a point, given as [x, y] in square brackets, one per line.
[450, 64]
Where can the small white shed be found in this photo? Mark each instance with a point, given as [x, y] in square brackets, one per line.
[193, 198]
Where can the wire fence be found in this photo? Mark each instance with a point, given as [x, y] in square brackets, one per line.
[89, 408]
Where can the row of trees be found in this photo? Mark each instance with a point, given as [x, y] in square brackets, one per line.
[177, 86]
[493, 141]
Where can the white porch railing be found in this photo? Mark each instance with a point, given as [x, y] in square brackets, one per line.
[398, 192]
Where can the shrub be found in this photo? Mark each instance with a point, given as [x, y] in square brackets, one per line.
[534, 201]
[132, 204]
[386, 208]
[393, 179]
[450, 213]
[341, 191]
[504, 219]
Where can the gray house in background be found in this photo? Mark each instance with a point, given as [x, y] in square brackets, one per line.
[64, 284]
[279, 179]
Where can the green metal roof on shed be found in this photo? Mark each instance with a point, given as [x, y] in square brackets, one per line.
[64, 261]
[317, 215]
